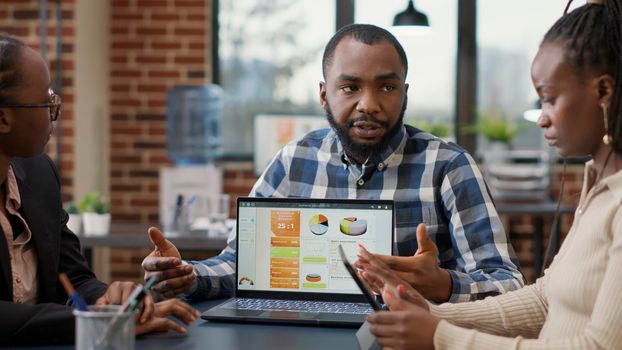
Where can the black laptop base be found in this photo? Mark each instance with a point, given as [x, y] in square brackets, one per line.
[217, 313]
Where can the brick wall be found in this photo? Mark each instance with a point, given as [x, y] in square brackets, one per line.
[21, 19]
[155, 45]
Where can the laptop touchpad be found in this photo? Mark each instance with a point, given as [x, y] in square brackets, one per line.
[289, 314]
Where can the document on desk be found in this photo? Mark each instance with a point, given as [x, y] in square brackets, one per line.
[366, 340]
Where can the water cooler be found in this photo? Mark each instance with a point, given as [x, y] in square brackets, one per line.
[194, 141]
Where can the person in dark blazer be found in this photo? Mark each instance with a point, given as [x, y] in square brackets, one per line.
[35, 244]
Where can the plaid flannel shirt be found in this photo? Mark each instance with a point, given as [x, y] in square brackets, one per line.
[430, 180]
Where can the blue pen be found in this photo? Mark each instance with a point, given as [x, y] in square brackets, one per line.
[77, 300]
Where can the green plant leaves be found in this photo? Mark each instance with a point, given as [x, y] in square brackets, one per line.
[93, 203]
[495, 127]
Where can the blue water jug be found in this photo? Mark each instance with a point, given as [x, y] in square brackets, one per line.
[194, 119]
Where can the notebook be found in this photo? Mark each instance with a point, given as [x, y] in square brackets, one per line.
[288, 265]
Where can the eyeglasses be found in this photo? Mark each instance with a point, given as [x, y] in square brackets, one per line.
[53, 105]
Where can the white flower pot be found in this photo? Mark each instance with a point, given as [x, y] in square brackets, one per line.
[96, 224]
[75, 223]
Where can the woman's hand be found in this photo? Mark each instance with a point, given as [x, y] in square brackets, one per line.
[421, 270]
[386, 281]
[397, 330]
[159, 321]
[118, 292]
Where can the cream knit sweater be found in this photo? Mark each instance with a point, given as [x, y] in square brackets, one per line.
[577, 304]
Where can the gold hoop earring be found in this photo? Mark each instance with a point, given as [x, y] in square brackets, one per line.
[607, 139]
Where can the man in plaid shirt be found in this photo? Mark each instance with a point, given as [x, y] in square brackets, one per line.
[368, 153]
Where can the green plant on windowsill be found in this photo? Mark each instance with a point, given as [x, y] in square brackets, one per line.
[438, 129]
[93, 203]
[495, 127]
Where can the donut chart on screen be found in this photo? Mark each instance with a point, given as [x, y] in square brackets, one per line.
[353, 226]
[313, 277]
[318, 224]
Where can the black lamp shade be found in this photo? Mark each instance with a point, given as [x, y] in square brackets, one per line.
[411, 17]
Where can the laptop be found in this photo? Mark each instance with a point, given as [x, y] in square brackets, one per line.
[288, 266]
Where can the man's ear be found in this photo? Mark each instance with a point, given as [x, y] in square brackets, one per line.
[407, 86]
[605, 85]
[5, 122]
[323, 94]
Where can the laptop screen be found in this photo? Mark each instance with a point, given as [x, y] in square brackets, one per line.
[291, 245]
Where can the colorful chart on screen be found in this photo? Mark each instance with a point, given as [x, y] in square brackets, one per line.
[246, 281]
[318, 224]
[313, 277]
[353, 226]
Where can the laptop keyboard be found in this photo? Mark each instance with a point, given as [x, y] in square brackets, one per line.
[301, 306]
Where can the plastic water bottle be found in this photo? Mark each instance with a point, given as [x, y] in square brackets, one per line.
[194, 121]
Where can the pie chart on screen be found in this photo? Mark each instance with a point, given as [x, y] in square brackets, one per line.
[353, 226]
[318, 224]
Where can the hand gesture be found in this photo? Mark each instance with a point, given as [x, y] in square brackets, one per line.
[396, 293]
[165, 263]
[421, 270]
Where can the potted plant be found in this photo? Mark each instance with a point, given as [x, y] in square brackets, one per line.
[498, 130]
[438, 129]
[95, 216]
[75, 219]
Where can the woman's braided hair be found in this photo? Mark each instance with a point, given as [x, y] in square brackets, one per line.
[591, 36]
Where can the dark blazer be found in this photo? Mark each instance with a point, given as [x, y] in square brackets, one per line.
[58, 250]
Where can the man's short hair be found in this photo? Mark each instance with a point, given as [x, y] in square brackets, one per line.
[367, 34]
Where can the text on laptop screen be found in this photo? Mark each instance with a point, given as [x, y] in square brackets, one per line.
[292, 246]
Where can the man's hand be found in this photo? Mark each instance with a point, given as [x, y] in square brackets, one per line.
[421, 271]
[160, 323]
[165, 263]
[118, 292]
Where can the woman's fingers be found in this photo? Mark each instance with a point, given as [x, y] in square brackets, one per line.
[171, 307]
[178, 309]
[116, 293]
[147, 309]
[159, 324]
[374, 283]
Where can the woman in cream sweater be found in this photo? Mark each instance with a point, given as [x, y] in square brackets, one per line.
[577, 304]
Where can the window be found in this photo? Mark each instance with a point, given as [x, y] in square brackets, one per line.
[270, 55]
[270, 59]
[431, 56]
[508, 37]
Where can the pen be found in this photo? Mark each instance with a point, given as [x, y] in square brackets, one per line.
[130, 305]
[71, 292]
[131, 299]
[143, 290]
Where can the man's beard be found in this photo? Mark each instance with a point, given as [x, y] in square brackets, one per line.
[362, 151]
